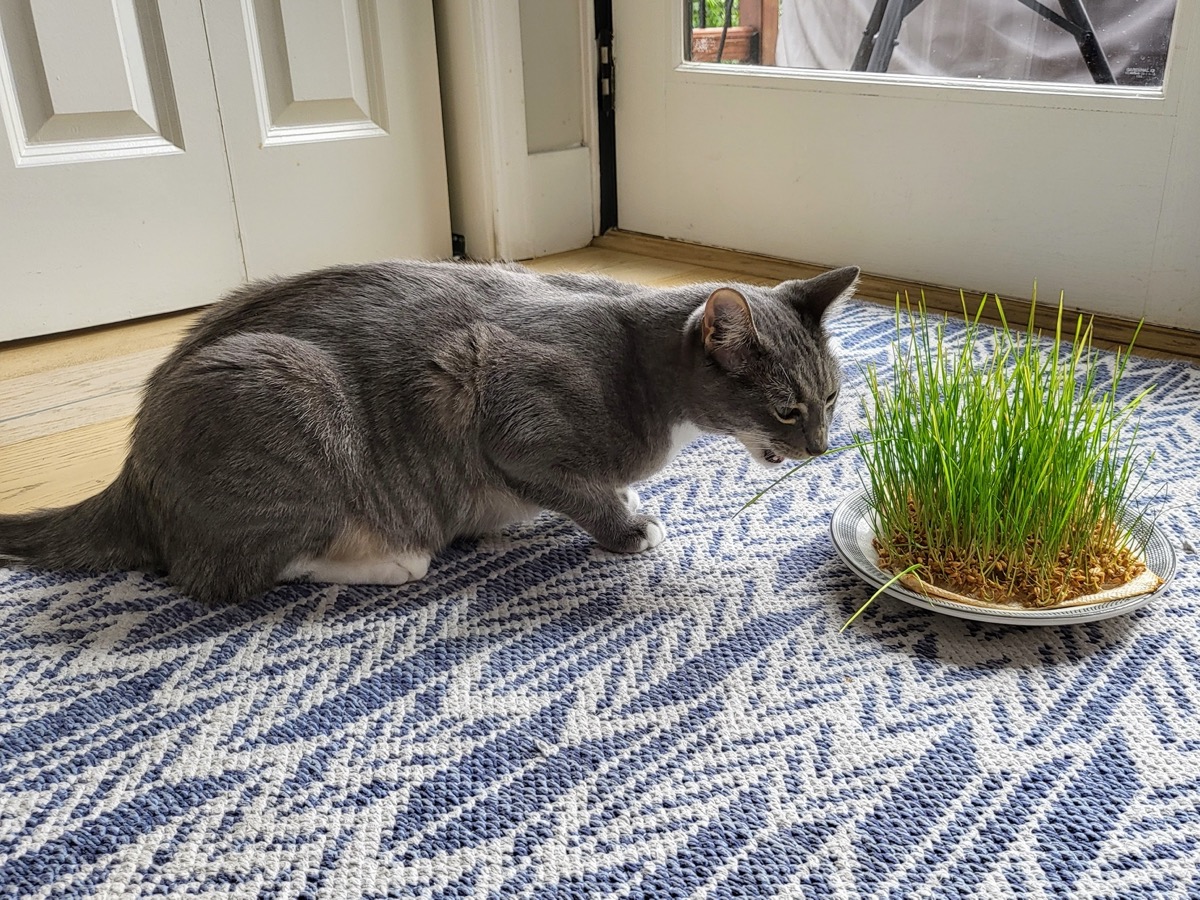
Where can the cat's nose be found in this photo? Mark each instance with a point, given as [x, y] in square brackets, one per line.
[817, 449]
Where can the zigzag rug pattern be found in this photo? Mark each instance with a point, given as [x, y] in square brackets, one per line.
[541, 719]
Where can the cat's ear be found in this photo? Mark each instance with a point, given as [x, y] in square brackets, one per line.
[728, 328]
[814, 296]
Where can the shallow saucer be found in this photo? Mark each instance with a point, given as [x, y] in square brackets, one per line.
[852, 534]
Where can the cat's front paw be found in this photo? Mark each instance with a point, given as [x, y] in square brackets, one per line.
[646, 533]
[654, 532]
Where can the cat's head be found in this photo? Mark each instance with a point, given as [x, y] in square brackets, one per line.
[769, 378]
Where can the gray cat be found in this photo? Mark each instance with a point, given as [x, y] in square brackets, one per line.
[347, 424]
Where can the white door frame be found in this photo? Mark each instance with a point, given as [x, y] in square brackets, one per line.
[510, 203]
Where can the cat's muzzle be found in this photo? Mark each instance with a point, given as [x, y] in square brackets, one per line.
[768, 453]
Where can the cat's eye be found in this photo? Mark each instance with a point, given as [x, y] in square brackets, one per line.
[786, 416]
[831, 399]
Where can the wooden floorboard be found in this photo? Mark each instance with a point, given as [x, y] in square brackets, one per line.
[36, 355]
[62, 467]
[43, 403]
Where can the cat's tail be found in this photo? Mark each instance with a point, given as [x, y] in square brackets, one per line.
[105, 531]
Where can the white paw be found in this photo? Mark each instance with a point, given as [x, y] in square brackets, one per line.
[386, 571]
[400, 569]
[630, 498]
[654, 533]
[416, 564]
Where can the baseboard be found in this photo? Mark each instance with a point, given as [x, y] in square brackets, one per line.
[1108, 331]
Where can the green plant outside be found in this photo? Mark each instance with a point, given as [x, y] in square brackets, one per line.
[714, 11]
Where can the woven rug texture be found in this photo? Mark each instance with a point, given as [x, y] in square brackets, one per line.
[539, 718]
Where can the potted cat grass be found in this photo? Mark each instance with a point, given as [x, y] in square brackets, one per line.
[1003, 477]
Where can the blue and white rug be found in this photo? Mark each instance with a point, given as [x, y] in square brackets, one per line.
[542, 719]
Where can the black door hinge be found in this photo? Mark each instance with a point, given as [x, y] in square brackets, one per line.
[607, 72]
[458, 245]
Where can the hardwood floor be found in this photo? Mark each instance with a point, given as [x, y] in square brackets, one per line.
[67, 402]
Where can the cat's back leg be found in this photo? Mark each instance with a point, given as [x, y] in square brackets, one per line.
[359, 555]
[252, 452]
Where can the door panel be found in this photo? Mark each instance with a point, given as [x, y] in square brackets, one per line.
[317, 70]
[116, 196]
[87, 82]
[333, 122]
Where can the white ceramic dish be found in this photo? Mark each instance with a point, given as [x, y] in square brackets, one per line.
[852, 533]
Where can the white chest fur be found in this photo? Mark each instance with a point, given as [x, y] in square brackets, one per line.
[681, 435]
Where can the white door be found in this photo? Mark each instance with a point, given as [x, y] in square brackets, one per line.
[115, 199]
[983, 185]
[333, 121]
[163, 152]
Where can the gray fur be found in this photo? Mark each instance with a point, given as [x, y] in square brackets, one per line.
[386, 409]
